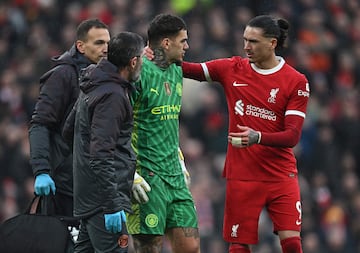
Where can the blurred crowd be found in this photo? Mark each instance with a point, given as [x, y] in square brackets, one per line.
[324, 44]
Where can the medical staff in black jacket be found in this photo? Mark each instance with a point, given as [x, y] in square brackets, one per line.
[104, 161]
[50, 156]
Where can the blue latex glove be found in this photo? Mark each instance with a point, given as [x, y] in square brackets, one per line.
[113, 221]
[43, 185]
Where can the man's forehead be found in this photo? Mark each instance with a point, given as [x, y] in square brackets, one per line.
[99, 34]
[253, 32]
[182, 35]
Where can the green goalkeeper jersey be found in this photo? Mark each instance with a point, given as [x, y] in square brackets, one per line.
[156, 105]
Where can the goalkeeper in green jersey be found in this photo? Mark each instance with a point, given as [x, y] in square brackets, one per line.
[168, 209]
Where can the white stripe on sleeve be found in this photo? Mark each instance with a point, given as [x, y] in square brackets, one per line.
[295, 112]
[206, 72]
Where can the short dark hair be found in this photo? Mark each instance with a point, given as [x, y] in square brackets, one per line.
[123, 47]
[84, 27]
[272, 27]
[164, 25]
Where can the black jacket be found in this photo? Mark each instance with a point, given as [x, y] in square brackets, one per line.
[104, 161]
[59, 89]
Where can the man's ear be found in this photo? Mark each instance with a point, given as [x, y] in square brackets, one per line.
[165, 43]
[80, 46]
[133, 62]
[274, 43]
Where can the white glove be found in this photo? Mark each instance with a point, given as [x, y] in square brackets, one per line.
[183, 168]
[140, 189]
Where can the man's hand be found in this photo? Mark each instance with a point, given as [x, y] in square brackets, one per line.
[149, 53]
[43, 184]
[245, 138]
[185, 172]
[113, 221]
[140, 189]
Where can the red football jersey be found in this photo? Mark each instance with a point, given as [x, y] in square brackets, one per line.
[259, 99]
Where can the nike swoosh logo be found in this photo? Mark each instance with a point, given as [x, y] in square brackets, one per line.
[235, 84]
[298, 222]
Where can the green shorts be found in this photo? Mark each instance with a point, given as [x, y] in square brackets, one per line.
[168, 207]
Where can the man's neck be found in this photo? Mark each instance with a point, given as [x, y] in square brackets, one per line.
[160, 58]
[268, 64]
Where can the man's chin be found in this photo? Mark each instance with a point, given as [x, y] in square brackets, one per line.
[251, 60]
[178, 62]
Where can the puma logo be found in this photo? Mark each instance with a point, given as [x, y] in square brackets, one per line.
[154, 90]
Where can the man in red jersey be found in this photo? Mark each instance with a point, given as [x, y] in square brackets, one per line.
[267, 102]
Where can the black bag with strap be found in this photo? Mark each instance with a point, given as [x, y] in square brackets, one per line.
[36, 230]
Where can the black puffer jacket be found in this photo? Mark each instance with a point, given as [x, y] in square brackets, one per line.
[59, 89]
[104, 161]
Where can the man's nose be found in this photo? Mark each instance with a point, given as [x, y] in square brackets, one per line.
[186, 46]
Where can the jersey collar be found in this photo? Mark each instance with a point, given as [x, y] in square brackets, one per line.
[269, 71]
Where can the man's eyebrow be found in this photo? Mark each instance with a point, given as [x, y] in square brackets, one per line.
[251, 40]
[100, 41]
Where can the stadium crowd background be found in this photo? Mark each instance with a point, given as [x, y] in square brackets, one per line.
[324, 44]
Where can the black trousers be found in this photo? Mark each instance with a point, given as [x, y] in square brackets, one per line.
[93, 237]
[63, 205]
